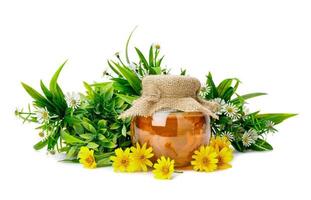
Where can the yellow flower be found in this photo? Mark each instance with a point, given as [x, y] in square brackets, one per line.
[140, 157]
[164, 168]
[122, 161]
[218, 143]
[205, 159]
[224, 157]
[86, 157]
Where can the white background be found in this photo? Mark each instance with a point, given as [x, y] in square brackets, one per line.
[267, 44]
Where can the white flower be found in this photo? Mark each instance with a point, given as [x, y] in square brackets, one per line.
[221, 104]
[73, 100]
[42, 115]
[270, 126]
[228, 135]
[253, 133]
[219, 101]
[246, 110]
[249, 137]
[231, 111]
[132, 65]
[205, 91]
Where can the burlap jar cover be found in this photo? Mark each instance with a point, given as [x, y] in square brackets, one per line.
[170, 92]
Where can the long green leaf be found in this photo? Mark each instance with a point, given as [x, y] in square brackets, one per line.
[151, 56]
[247, 96]
[131, 77]
[142, 59]
[275, 117]
[33, 93]
[46, 91]
[127, 46]
[210, 82]
[53, 82]
[261, 145]
[223, 86]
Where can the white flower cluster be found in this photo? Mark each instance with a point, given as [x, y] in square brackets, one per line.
[228, 109]
[249, 137]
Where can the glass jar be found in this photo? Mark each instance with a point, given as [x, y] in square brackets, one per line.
[172, 134]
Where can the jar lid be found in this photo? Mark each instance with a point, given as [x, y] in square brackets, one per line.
[170, 92]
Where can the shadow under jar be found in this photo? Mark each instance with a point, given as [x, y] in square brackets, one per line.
[172, 134]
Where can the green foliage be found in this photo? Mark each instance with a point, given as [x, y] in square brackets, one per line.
[95, 123]
[240, 122]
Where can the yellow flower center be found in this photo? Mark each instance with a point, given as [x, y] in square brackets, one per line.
[89, 160]
[205, 160]
[229, 110]
[142, 157]
[124, 162]
[73, 102]
[45, 115]
[165, 170]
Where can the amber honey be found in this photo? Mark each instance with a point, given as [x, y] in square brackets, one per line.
[177, 135]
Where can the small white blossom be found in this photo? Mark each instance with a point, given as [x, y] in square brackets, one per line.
[249, 137]
[253, 133]
[228, 135]
[246, 110]
[205, 91]
[270, 126]
[73, 100]
[230, 110]
[42, 115]
[221, 104]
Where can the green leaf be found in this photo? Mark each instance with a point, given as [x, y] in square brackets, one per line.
[40, 145]
[108, 91]
[102, 138]
[261, 145]
[46, 91]
[114, 126]
[92, 145]
[275, 117]
[70, 139]
[53, 82]
[102, 123]
[247, 96]
[40, 100]
[142, 59]
[128, 99]
[209, 81]
[238, 146]
[103, 162]
[72, 152]
[78, 128]
[223, 86]
[127, 45]
[151, 56]
[87, 136]
[124, 131]
[130, 76]
[88, 127]
[109, 145]
[228, 94]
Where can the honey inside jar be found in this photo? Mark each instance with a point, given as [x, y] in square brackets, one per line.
[173, 134]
